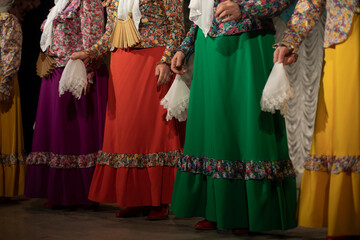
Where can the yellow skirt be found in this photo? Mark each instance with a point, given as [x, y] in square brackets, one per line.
[330, 187]
[12, 157]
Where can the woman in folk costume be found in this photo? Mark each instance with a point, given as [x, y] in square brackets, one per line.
[235, 170]
[12, 157]
[136, 167]
[68, 131]
[330, 187]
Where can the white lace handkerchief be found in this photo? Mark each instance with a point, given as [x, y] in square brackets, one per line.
[176, 101]
[277, 91]
[73, 78]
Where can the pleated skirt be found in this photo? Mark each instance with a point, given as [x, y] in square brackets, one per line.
[67, 137]
[12, 153]
[330, 188]
[235, 169]
[137, 164]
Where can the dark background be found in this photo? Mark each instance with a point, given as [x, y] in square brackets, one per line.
[28, 80]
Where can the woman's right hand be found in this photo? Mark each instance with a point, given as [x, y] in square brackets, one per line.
[82, 55]
[284, 55]
[177, 63]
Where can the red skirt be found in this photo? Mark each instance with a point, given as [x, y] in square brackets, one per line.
[137, 164]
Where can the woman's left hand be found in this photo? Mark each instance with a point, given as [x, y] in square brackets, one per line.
[82, 55]
[228, 11]
[162, 70]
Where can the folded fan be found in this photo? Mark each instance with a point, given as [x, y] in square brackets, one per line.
[125, 33]
[44, 65]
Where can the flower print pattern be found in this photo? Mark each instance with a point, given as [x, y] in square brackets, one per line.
[256, 15]
[333, 164]
[76, 28]
[62, 161]
[307, 12]
[264, 8]
[139, 160]
[161, 24]
[246, 170]
[12, 159]
[10, 51]
[102, 46]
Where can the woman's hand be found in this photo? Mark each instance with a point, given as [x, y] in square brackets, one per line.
[284, 55]
[228, 11]
[82, 55]
[177, 63]
[162, 70]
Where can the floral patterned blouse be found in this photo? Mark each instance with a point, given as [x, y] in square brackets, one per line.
[10, 51]
[255, 15]
[307, 12]
[76, 28]
[161, 24]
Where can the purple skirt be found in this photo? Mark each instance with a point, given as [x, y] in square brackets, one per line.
[67, 137]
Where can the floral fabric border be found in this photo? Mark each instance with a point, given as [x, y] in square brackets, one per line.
[12, 159]
[247, 170]
[139, 160]
[333, 164]
[62, 161]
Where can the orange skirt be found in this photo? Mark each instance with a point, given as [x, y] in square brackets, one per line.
[137, 164]
[132, 187]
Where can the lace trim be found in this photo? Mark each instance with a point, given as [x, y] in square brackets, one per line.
[176, 100]
[278, 103]
[277, 91]
[12, 159]
[62, 161]
[333, 164]
[179, 112]
[249, 170]
[73, 79]
[140, 160]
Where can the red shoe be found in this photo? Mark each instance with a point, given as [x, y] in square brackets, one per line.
[206, 225]
[129, 212]
[48, 205]
[239, 231]
[159, 213]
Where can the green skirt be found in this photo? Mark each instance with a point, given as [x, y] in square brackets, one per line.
[235, 169]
